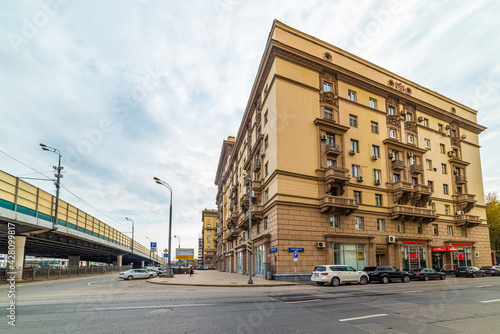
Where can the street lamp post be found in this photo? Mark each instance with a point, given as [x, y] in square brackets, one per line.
[150, 259]
[176, 236]
[127, 218]
[169, 266]
[58, 176]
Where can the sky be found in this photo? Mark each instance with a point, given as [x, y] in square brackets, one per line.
[128, 90]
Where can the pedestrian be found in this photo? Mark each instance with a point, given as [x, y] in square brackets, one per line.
[190, 270]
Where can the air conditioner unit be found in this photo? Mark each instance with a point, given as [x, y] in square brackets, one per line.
[378, 182]
[391, 239]
[352, 152]
[361, 179]
[420, 119]
[447, 127]
[374, 157]
[323, 137]
[391, 155]
[320, 244]
[477, 254]
[410, 155]
[451, 154]
[460, 212]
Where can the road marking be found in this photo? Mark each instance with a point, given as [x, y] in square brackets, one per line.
[483, 286]
[491, 301]
[143, 307]
[413, 291]
[365, 317]
[302, 301]
[90, 283]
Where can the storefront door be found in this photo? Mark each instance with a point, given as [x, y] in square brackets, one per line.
[413, 257]
[239, 262]
[437, 261]
[259, 260]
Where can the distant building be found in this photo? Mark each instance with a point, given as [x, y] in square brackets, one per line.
[208, 238]
[352, 163]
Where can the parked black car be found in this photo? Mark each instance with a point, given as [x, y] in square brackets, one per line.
[426, 274]
[492, 270]
[469, 272]
[386, 274]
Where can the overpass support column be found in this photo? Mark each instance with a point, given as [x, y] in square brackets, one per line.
[74, 262]
[119, 260]
[19, 251]
[142, 264]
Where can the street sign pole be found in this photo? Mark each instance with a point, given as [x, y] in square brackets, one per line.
[295, 260]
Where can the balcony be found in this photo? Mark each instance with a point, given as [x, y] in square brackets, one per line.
[422, 194]
[411, 213]
[467, 220]
[337, 204]
[398, 164]
[244, 203]
[232, 233]
[402, 190]
[333, 149]
[416, 168]
[465, 202]
[460, 179]
[337, 175]
[256, 165]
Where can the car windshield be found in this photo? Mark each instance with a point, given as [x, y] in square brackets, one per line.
[319, 268]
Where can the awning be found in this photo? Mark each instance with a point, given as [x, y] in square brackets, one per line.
[443, 249]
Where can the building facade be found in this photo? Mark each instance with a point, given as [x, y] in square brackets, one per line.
[349, 163]
[208, 237]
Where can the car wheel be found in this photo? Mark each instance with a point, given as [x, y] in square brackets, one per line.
[151, 276]
[363, 280]
[474, 275]
[426, 278]
[335, 281]
[130, 277]
[320, 283]
[385, 280]
[406, 279]
[442, 277]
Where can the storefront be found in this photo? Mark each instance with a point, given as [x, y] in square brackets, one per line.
[413, 255]
[239, 261]
[353, 255]
[259, 254]
[463, 256]
[441, 258]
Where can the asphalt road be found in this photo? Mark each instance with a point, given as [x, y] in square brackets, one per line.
[107, 305]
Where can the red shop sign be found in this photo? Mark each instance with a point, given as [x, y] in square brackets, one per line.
[444, 249]
[461, 257]
[413, 256]
[414, 243]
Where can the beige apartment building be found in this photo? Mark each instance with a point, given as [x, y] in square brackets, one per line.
[350, 164]
[207, 245]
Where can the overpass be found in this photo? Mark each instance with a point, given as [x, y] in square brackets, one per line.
[27, 225]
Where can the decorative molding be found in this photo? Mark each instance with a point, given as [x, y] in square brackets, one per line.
[394, 120]
[411, 126]
[399, 86]
[362, 84]
[328, 98]
[328, 56]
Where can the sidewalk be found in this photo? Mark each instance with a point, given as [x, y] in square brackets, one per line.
[216, 278]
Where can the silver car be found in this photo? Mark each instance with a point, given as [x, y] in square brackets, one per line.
[136, 273]
[336, 274]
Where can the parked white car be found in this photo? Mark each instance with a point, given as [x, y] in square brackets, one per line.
[337, 274]
[136, 273]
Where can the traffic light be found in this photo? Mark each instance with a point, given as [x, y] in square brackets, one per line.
[250, 246]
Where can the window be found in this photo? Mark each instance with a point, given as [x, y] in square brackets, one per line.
[428, 164]
[355, 170]
[442, 148]
[267, 195]
[396, 177]
[355, 145]
[334, 221]
[328, 113]
[267, 168]
[414, 180]
[265, 223]
[330, 140]
[410, 139]
[380, 225]
[266, 142]
[353, 121]
[376, 151]
[357, 196]
[434, 229]
[373, 103]
[401, 227]
[208, 225]
[443, 168]
[330, 163]
[258, 228]
[408, 117]
[445, 189]
[440, 127]
[391, 110]
[392, 133]
[266, 90]
[464, 231]
[431, 185]
[208, 237]
[359, 223]
[265, 118]
[208, 241]
[446, 209]
[376, 174]
[427, 143]
[418, 228]
[378, 200]
[327, 87]
[433, 206]
[351, 95]
[449, 228]
[208, 247]
[374, 126]
[425, 122]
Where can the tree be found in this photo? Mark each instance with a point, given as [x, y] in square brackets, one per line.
[493, 218]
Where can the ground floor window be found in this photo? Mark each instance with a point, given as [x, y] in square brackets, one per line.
[463, 257]
[413, 257]
[229, 264]
[351, 255]
[259, 254]
[239, 261]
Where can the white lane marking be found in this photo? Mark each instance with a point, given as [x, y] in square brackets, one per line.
[144, 307]
[413, 291]
[483, 286]
[303, 301]
[491, 301]
[90, 283]
[365, 317]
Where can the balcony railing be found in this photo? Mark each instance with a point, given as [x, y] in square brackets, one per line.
[416, 168]
[333, 149]
[398, 164]
[460, 179]
[256, 165]
[337, 203]
[413, 213]
[400, 186]
[467, 220]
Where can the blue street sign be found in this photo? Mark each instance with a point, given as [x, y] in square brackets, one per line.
[165, 255]
[295, 254]
[153, 244]
[273, 250]
[293, 249]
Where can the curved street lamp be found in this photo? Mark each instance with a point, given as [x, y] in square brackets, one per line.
[169, 266]
[176, 236]
[130, 219]
[58, 176]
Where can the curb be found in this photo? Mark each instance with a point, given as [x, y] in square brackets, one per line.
[223, 285]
